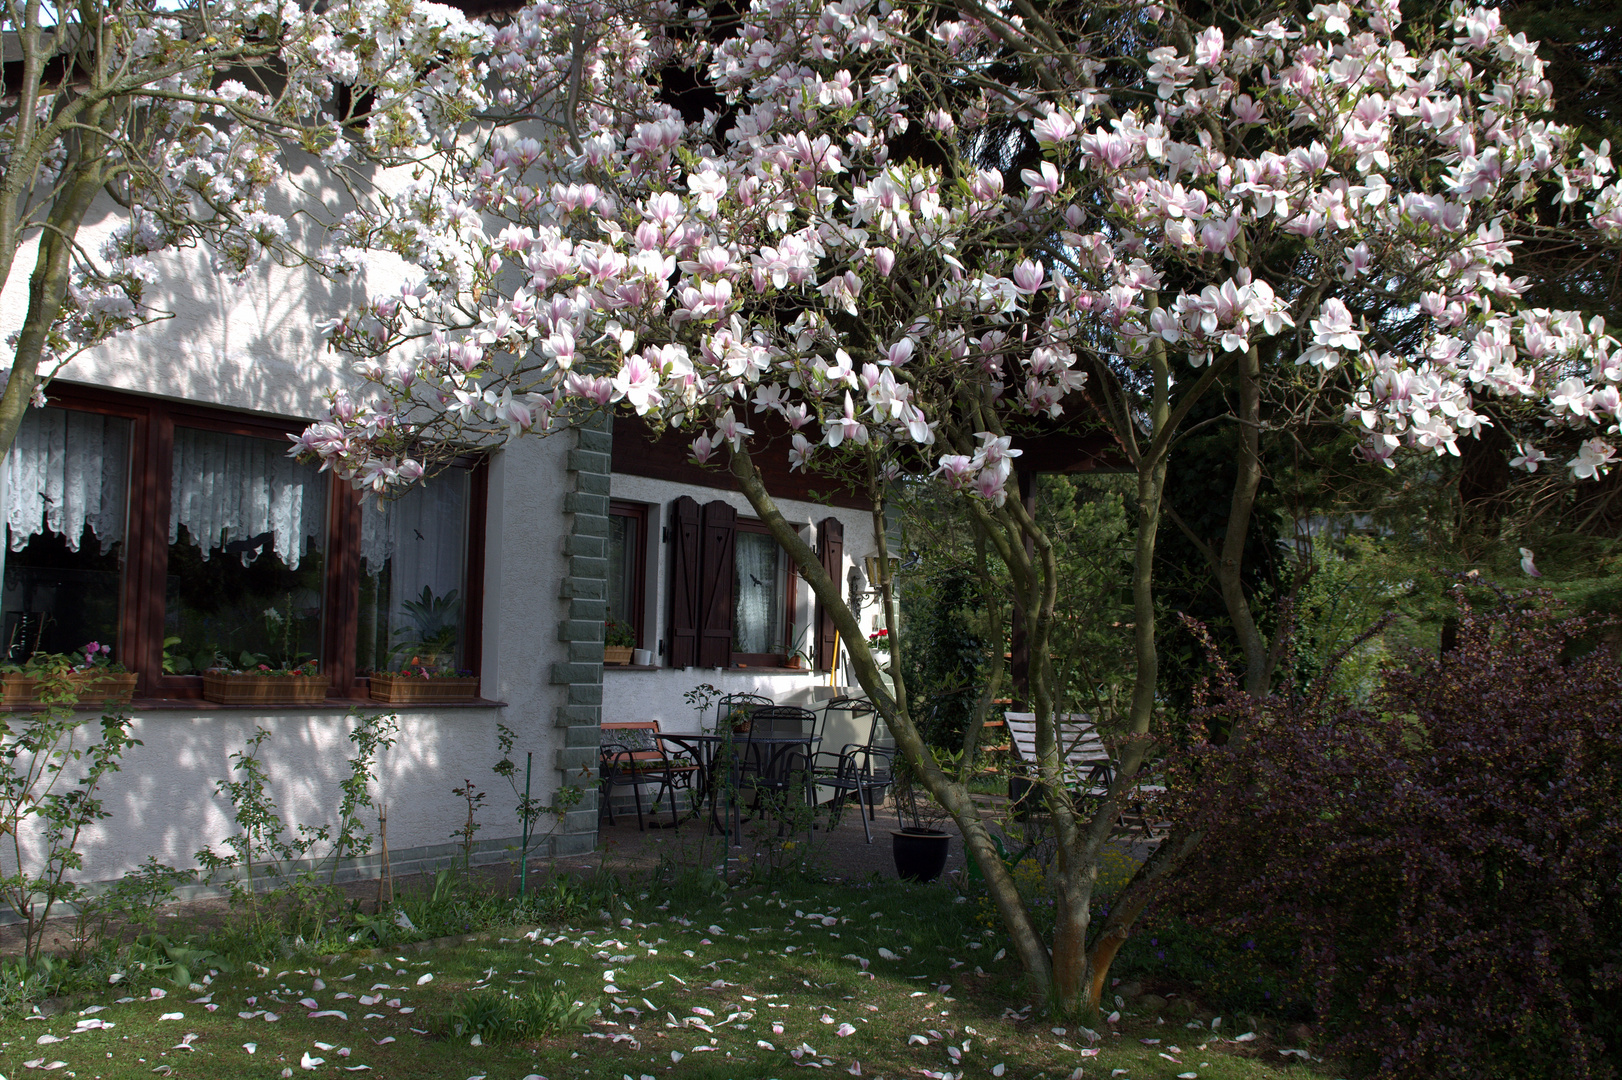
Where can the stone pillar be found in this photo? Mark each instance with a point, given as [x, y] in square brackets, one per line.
[585, 591]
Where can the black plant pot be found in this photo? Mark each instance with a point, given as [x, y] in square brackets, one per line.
[920, 854]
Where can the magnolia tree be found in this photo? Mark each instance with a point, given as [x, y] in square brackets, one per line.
[920, 234]
[177, 118]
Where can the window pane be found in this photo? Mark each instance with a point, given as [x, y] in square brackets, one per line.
[758, 600]
[624, 552]
[247, 553]
[66, 488]
[413, 569]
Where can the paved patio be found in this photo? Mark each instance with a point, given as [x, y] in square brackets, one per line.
[841, 853]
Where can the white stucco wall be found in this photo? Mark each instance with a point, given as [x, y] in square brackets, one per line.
[252, 346]
[255, 347]
[657, 695]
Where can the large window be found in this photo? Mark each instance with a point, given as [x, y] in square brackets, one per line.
[185, 537]
[246, 561]
[760, 596]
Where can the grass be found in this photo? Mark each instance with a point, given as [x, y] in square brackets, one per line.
[751, 983]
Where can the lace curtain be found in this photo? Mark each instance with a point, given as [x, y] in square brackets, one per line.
[66, 471]
[755, 606]
[231, 490]
[419, 537]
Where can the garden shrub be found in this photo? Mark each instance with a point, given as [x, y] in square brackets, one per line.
[1231, 974]
[1447, 853]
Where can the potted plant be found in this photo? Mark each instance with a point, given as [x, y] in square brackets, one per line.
[618, 641]
[435, 628]
[879, 642]
[260, 683]
[255, 679]
[90, 675]
[919, 847]
[420, 683]
[799, 656]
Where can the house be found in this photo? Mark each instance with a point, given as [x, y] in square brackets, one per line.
[151, 506]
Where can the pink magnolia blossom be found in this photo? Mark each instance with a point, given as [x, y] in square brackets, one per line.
[694, 272]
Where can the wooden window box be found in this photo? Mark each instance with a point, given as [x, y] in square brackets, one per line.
[265, 689]
[410, 690]
[90, 688]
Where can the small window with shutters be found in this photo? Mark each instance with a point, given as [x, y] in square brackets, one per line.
[732, 595]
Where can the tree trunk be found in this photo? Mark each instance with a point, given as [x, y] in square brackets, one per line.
[1150, 461]
[53, 267]
[1028, 946]
[1229, 566]
[995, 661]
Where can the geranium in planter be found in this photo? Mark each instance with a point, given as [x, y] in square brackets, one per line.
[90, 676]
[257, 679]
[421, 683]
[879, 642]
[262, 684]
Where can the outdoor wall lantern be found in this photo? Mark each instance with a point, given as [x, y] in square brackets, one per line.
[857, 585]
[872, 562]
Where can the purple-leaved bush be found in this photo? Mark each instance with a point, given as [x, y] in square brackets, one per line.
[1448, 853]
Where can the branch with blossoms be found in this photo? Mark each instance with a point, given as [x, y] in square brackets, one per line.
[127, 101]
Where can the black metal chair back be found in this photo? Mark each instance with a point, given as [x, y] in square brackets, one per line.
[770, 760]
[860, 710]
[865, 769]
[782, 722]
[733, 703]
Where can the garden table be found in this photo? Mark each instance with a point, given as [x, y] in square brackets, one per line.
[771, 756]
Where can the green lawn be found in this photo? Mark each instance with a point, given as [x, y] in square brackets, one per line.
[888, 980]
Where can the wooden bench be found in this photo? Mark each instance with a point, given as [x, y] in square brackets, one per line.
[1084, 758]
[632, 753]
[1088, 768]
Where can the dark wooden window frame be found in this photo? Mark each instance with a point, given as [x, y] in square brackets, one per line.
[152, 440]
[637, 514]
[771, 659]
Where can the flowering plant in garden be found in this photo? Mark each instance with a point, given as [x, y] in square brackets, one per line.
[879, 639]
[92, 656]
[97, 657]
[912, 238]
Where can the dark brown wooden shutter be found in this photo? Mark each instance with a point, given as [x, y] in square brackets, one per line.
[686, 547]
[715, 592]
[831, 549]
